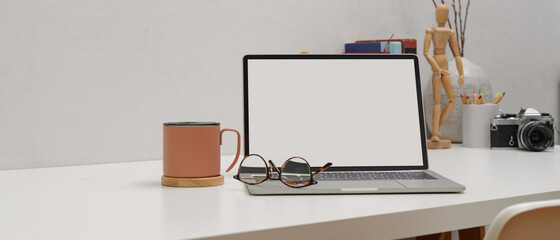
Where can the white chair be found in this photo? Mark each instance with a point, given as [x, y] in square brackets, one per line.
[531, 220]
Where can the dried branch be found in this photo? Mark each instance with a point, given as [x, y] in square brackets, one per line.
[462, 39]
[465, 28]
[455, 19]
[460, 17]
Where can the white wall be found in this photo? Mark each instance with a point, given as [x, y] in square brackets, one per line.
[84, 81]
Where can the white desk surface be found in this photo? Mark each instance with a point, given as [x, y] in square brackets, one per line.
[126, 201]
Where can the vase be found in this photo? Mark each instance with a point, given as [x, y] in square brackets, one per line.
[475, 80]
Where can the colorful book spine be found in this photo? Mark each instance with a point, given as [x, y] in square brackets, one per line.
[407, 45]
[392, 47]
[365, 47]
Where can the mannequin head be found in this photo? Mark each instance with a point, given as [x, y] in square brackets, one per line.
[442, 13]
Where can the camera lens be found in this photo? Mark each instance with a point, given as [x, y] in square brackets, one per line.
[536, 136]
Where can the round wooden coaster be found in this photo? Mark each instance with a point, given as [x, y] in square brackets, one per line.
[192, 182]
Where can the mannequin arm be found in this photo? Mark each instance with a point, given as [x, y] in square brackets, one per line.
[455, 47]
[431, 60]
[427, 42]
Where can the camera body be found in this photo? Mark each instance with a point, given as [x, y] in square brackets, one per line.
[529, 130]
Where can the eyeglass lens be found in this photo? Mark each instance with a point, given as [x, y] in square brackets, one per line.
[296, 172]
[253, 170]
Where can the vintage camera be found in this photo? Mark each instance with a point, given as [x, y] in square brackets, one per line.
[528, 130]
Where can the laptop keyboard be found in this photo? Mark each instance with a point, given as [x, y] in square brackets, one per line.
[373, 176]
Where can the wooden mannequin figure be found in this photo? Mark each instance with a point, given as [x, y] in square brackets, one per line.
[441, 35]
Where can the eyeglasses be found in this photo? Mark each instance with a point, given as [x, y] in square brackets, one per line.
[295, 172]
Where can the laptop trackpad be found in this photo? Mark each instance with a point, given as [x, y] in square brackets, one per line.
[366, 186]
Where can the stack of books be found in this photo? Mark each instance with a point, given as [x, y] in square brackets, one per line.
[389, 46]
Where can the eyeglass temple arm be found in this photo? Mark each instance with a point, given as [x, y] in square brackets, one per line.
[323, 168]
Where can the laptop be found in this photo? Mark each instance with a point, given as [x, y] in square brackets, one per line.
[361, 112]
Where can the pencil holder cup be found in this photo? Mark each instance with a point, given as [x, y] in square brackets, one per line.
[477, 119]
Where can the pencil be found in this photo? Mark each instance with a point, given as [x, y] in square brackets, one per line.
[478, 100]
[474, 97]
[495, 101]
[500, 98]
[468, 100]
[482, 100]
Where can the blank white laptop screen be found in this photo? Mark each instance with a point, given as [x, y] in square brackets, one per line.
[351, 112]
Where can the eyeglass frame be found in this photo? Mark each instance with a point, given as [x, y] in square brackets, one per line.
[272, 167]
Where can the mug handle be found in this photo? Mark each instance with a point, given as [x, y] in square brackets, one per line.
[238, 145]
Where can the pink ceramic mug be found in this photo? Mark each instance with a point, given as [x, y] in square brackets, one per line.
[192, 149]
